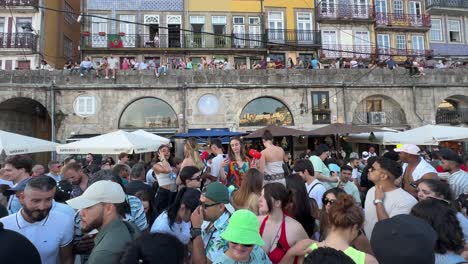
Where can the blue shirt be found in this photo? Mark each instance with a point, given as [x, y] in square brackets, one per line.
[314, 63]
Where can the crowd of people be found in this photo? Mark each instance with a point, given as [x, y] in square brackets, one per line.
[233, 205]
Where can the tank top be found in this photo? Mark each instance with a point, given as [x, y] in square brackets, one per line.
[277, 254]
[357, 256]
[165, 178]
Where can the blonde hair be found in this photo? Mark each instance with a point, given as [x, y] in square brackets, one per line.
[192, 153]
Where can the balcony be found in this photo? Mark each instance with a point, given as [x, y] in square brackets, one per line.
[386, 52]
[344, 13]
[194, 41]
[18, 41]
[455, 7]
[301, 38]
[19, 3]
[402, 21]
[453, 117]
[347, 51]
[387, 118]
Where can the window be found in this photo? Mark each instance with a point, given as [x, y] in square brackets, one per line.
[398, 7]
[67, 47]
[254, 20]
[197, 20]
[401, 42]
[2, 24]
[85, 105]
[436, 30]
[265, 111]
[69, 14]
[275, 26]
[454, 30]
[218, 20]
[148, 113]
[320, 108]
[22, 24]
[238, 20]
[374, 105]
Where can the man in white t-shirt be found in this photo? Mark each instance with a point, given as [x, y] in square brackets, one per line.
[217, 149]
[113, 66]
[50, 231]
[384, 200]
[415, 168]
[315, 188]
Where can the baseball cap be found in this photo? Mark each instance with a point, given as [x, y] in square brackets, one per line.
[365, 155]
[18, 249]
[217, 193]
[411, 149]
[99, 192]
[243, 229]
[354, 155]
[19, 187]
[403, 239]
[450, 155]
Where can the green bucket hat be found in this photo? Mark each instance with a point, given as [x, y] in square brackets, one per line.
[243, 228]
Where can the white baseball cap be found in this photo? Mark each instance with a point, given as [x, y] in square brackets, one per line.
[99, 192]
[365, 155]
[408, 148]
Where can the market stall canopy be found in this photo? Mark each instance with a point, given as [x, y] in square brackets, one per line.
[151, 136]
[112, 143]
[427, 135]
[340, 128]
[208, 133]
[277, 131]
[14, 144]
[368, 138]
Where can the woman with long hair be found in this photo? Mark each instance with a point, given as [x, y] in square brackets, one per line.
[249, 192]
[176, 219]
[237, 164]
[442, 217]
[346, 220]
[299, 206]
[191, 157]
[148, 206]
[279, 231]
[271, 162]
[165, 175]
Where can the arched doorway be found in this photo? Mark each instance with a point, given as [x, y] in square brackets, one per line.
[379, 110]
[453, 110]
[149, 113]
[265, 111]
[27, 117]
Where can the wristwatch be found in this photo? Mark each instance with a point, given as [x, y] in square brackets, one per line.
[194, 232]
[376, 201]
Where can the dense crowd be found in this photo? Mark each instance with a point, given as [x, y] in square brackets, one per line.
[238, 206]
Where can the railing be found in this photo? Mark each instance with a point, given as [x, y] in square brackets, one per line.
[18, 41]
[452, 117]
[191, 41]
[347, 51]
[344, 11]
[297, 37]
[402, 20]
[13, 3]
[447, 3]
[379, 118]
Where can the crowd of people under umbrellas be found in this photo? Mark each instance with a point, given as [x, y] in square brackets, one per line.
[238, 206]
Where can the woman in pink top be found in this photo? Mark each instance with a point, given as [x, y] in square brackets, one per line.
[125, 64]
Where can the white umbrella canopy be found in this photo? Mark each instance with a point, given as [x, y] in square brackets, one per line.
[14, 144]
[111, 143]
[427, 135]
[143, 133]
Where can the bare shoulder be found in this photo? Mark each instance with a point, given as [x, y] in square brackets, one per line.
[261, 218]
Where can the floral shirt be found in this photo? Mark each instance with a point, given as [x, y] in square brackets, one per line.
[234, 173]
[215, 246]
[257, 256]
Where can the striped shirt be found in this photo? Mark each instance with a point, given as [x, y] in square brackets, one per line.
[458, 182]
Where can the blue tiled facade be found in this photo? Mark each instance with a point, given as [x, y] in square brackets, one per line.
[136, 5]
[443, 49]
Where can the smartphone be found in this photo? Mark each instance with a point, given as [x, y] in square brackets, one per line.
[414, 185]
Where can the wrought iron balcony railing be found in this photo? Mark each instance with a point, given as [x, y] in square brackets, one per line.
[18, 41]
[296, 37]
[447, 4]
[183, 41]
[404, 52]
[344, 12]
[402, 20]
[347, 51]
[19, 3]
[385, 118]
[452, 117]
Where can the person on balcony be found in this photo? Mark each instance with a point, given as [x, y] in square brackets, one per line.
[103, 65]
[161, 70]
[125, 64]
[299, 63]
[86, 66]
[113, 64]
[156, 40]
[45, 66]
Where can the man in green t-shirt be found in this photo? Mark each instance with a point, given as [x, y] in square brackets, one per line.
[321, 170]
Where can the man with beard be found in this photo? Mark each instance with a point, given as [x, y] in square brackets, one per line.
[98, 207]
[50, 231]
[73, 172]
[457, 179]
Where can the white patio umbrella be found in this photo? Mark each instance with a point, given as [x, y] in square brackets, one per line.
[14, 144]
[151, 136]
[112, 143]
[427, 135]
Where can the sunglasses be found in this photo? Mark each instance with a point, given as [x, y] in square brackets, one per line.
[204, 205]
[242, 245]
[198, 178]
[326, 201]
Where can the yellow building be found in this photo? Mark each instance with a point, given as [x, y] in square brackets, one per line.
[61, 33]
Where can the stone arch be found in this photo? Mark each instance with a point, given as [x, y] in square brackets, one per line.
[265, 110]
[148, 113]
[380, 110]
[452, 110]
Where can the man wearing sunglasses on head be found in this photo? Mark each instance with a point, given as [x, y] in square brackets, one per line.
[207, 243]
[190, 176]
